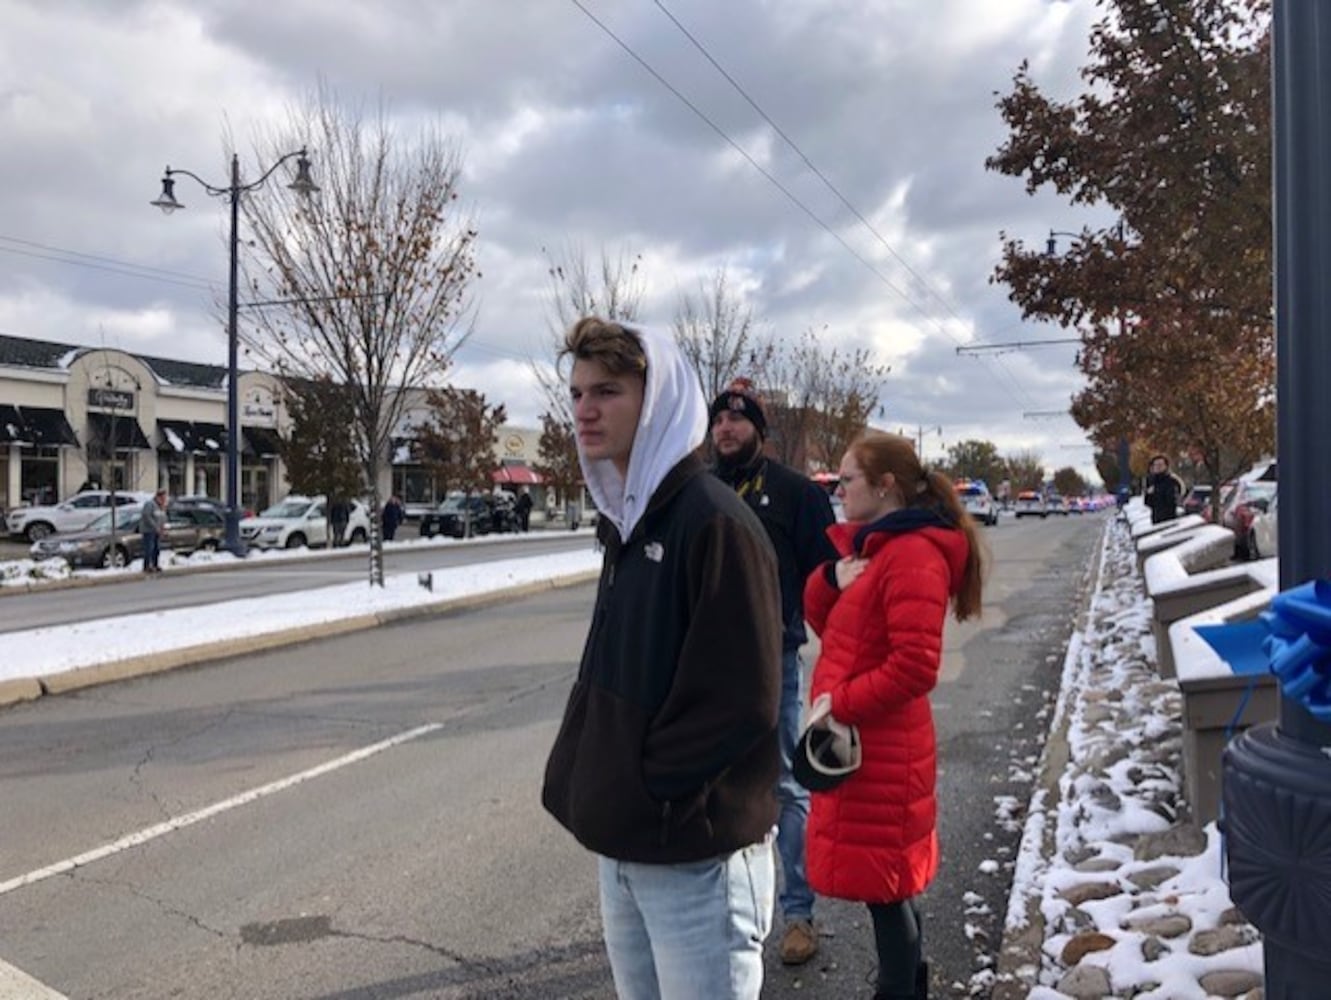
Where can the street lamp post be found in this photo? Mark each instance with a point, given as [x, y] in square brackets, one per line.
[167, 202]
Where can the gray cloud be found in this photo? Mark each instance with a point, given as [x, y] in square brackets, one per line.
[567, 138]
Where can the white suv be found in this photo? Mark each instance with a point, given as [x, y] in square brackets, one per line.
[298, 521]
[979, 504]
[75, 514]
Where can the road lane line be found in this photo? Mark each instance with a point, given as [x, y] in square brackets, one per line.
[189, 819]
[15, 984]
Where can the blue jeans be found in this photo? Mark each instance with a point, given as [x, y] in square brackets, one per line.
[796, 896]
[152, 549]
[691, 930]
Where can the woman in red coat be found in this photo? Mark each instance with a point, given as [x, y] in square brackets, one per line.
[908, 550]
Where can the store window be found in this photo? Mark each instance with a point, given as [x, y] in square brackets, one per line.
[208, 476]
[171, 473]
[39, 475]
[413, 484]
[114, 473]
[256, 480]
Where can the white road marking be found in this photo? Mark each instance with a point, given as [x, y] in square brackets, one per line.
[189, 819]
[15, 984]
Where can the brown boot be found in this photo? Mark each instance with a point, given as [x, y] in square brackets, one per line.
[799, 943]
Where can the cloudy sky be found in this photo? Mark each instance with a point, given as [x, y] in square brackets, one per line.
[570, 141]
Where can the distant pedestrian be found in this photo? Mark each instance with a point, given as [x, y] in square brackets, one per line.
[1163, 490]
[392, 517]
[908, 549]
[152, 523]
[796, 513]
[522, 506]
[339, 513]
[667, 759]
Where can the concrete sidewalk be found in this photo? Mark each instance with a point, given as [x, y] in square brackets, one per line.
[1116, 892]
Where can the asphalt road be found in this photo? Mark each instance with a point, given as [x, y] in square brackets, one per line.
[426, 867]
[119, 594]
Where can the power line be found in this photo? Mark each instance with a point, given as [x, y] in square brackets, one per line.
[104, 259]
[924, 282]
[126, 270]
[783, 189]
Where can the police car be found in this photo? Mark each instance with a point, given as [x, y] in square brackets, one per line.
[979, 504]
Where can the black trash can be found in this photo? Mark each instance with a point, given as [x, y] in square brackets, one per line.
[1276, 795]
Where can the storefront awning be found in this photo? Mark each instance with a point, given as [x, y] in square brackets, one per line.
[191, 436]
[517, 474]
[208, 438]
[262, 441]
[11, 424]
[44, 425]
[116, 432]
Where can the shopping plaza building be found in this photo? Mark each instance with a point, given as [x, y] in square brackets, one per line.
[72, 416]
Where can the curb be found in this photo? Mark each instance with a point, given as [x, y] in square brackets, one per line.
[27, 689]
[1021, 951]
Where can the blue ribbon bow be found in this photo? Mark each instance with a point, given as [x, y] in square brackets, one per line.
[1299, 645]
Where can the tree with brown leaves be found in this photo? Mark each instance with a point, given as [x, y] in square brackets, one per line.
[1173, 302]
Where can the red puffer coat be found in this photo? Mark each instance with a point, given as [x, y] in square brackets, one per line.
[873, 838]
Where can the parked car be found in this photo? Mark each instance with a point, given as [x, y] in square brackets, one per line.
[300, 521]
[1198, 501]
[977, 501]
[462, 516]
[1262, 533]
[188, 529]
[1031, 503]
[1248, 497]
[74, 514]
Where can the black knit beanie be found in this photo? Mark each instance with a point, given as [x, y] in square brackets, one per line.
[739, 399]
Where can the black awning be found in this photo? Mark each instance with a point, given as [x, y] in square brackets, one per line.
[262, 441]
[11, 424]
[116, 432]
[207, 438]
[176, 435]
[43, 425]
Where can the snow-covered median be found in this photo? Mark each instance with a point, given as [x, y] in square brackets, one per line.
[41, 652]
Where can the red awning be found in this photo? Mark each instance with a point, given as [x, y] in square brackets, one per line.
[517, 475]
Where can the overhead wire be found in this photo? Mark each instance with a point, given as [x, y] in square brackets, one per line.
[905, 296]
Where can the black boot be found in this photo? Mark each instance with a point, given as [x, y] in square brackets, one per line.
[921, 986]
[922, 981]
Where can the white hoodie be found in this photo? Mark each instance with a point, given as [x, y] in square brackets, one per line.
[673, 423]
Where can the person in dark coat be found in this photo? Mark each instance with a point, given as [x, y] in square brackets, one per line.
[392, 517]
[522, 506]
[667, 758]
[796, 514]
[339, 513]
[1163, 490]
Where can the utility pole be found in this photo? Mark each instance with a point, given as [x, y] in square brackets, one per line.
[920, 431]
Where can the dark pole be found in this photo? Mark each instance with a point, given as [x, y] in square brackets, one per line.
[1302, 90]
[1276, 779]
[232, 389]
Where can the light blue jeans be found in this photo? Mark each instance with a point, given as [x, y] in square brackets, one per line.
[796, 896]
[688, 931]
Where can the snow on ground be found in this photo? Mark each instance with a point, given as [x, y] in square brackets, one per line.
[31, 573]
[44, 651]
[1133, 898]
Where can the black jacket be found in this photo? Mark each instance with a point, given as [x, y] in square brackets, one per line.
[796, 513]
[1163, 490]
[668, 748]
